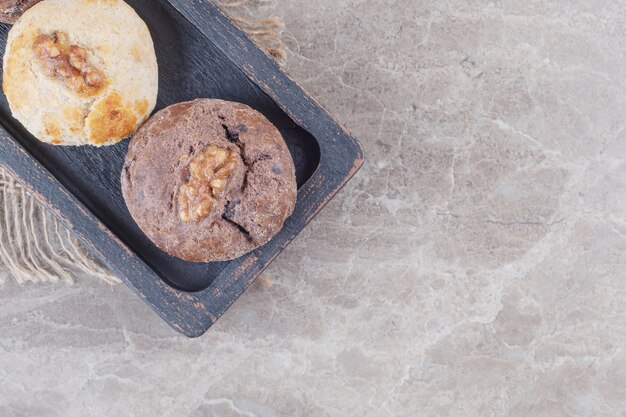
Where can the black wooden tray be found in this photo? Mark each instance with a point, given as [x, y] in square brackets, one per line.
[201, 53]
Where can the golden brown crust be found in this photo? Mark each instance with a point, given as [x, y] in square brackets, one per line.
[71, 82]
[111, 118]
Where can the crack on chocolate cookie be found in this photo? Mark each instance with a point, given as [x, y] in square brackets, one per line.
[264, 157]
[242, 229]
[229, 216]
[249, 169]
[229, 209]
[233, 136]
[127, 168]
[244, 184]
[171, 203]
[128, 176]
[230, 135]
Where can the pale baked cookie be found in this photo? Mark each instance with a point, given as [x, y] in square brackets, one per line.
[80, 72]
[209, 180]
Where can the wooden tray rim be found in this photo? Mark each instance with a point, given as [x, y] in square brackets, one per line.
[193, 313]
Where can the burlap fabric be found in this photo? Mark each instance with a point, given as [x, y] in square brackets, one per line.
[35, 247]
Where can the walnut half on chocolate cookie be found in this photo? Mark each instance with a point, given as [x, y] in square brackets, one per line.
[209, 180]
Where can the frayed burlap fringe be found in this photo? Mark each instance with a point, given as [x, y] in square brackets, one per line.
[35, 247]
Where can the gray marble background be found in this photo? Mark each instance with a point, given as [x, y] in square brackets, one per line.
[475, 267]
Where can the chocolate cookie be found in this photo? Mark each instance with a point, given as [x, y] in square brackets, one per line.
[11, 10]
[209, 180]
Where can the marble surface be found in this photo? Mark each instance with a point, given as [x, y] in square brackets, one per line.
[475, 267]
